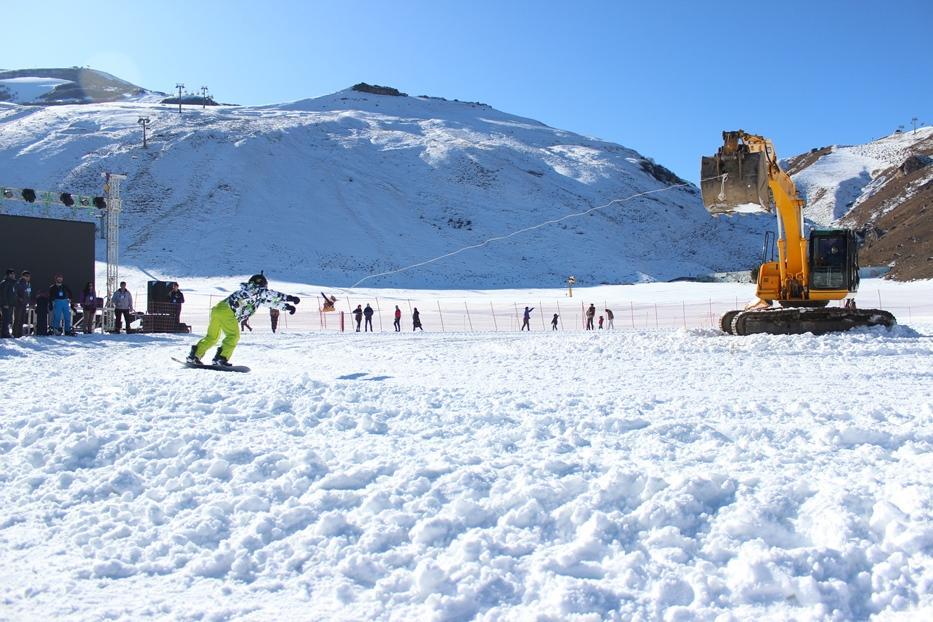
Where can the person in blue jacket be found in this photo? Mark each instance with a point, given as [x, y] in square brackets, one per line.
[526, 318]
[60, 302]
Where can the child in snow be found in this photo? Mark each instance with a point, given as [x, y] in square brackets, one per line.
[235, 308]
[554, 322]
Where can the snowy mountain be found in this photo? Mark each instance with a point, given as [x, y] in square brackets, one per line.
[75, 85]
[883, 189]
[333, 189]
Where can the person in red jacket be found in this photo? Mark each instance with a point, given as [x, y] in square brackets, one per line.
[398, 319]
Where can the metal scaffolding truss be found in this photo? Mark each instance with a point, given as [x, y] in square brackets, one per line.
[107, 207]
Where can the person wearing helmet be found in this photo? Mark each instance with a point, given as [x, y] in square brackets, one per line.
[227, 315]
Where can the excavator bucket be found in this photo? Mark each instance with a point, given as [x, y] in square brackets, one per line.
[735, 183]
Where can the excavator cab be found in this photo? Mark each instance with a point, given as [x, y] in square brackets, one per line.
[735, 180]
[833, 260]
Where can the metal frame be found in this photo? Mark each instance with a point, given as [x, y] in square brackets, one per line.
[110, 225]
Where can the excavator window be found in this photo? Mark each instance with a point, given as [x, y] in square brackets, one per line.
[831, 260]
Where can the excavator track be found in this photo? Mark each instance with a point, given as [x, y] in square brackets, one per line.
[800, 320]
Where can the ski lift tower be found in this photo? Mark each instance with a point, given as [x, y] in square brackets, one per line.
[112, 217]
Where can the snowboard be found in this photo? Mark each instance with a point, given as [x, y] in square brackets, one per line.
[237, 368]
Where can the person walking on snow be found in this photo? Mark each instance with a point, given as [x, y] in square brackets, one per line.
[526, 318]
[398, 319]
[554, 322]
[416, 321]
[368, 314]
[235, 308]
[590, 314]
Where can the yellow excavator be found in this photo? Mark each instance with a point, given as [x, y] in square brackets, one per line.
[744, 177]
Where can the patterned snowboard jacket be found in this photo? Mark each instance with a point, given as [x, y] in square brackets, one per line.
[247, 299]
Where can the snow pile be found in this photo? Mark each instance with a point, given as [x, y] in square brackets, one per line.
[836, 182]
[572, 476]
[337, 188]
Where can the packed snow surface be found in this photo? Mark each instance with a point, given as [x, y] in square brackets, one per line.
[607, 475]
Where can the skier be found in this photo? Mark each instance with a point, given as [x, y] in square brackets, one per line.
[554, 322]
[526, 318]
[398, 319]
[229, 312]
[368, 314]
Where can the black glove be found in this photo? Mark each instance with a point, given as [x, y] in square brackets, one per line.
[290, 309]
[294, 299]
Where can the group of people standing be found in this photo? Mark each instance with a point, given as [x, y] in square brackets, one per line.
[56, 308]
[359, 314]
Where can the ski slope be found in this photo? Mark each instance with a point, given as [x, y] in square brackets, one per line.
[337, 188]
[608, 475]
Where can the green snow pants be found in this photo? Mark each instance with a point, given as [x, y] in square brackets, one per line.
[222, 319]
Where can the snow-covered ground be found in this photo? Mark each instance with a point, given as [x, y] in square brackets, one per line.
[638, 474]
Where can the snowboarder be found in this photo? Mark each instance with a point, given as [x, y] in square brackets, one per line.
[368, 314]
[358, 316]
[554, 322]
[526, 318]
[329, 303]
[398, 319]
[416, 321]
[229, 312]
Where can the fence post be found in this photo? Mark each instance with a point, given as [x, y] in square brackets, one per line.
[541, 313]
[342, 325]
[657, 324]
[684, 303]
[468, 315]
[560, 320]
[879, 299]
[632, 311]
[379, 313]
[441, 316]
[494, 323]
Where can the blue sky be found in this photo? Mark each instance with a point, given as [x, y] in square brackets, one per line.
[664, 78]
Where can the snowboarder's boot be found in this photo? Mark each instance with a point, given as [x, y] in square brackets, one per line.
[193, 357]
[220, 360]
